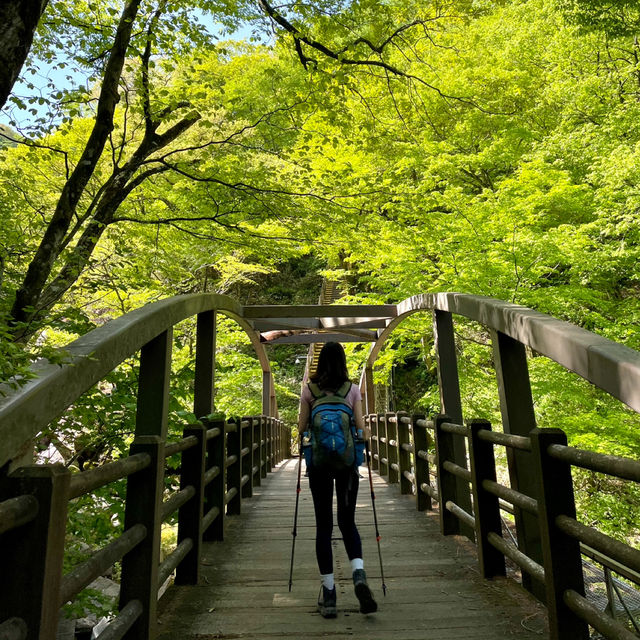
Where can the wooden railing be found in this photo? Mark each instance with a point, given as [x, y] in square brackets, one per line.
[221, 461]
[400, 451]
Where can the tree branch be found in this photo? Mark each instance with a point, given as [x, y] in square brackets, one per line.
[144, 76]
[338, 55]
[35, 145]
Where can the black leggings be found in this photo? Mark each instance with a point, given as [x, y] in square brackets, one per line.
[321, 485]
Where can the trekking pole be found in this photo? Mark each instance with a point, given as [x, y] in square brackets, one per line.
[375, 517]
[295, 517]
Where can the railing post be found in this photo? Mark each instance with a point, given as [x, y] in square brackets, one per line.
[369, 392]
[561, 553]
[257, 451]
[139, 579]
[518, 417]
[264, 451]
[153, 386]
[32, 554]
[421, 472]
[392, 446]
[274, 442]
[449, 524]
[269, 444]
[247, 459]
[190, 515]
[289, 443]
[451, 403]
[375, 441]
[214, 493]
[383, 449]
[278, 433]
[234, 470]
[485, 505]
[204, 382]
[266, 393]
[404, 456]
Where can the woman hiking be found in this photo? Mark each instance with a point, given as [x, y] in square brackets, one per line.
[333, 427]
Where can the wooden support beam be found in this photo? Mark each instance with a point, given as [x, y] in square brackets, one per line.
[285, 324]
[362, 311]
[205, 364]
[518, 418]
[292, 324]
[312, 338]
[451, 405]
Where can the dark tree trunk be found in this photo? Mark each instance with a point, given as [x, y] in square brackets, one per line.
[18, 22]
[42, 264]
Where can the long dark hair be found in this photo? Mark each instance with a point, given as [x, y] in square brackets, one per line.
[332, 367]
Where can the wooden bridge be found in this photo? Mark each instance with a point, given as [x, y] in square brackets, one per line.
[446, 567]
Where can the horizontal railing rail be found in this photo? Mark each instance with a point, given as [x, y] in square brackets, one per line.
[564, 539]
[17, 511]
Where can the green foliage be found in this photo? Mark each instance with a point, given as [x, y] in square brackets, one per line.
[618, 18]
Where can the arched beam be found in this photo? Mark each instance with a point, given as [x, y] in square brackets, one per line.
[28, 409]
[606, 364]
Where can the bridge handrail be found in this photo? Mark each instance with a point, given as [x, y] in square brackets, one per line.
[405, 444]
[607, 364]
[26, 410]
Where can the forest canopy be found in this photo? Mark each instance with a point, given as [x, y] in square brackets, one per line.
[481, 146]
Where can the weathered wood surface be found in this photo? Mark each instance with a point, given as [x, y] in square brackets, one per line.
[434, 588]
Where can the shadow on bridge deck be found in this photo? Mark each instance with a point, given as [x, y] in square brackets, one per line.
[434, 589]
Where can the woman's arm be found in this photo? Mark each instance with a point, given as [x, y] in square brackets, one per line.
[359, 420]
[303, 416]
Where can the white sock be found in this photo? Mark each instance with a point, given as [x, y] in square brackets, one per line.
[328, 581]
[356, 563]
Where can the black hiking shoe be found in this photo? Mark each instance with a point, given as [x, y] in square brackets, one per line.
[327, 602]
[363, 593]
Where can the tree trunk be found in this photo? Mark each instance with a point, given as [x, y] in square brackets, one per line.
[116, 190]
[18, 22]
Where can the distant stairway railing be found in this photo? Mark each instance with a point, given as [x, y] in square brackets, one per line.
[402, 451]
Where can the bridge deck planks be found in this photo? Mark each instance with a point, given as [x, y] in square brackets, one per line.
[434, 589]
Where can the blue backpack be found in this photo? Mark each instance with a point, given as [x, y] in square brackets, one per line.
[332, 429]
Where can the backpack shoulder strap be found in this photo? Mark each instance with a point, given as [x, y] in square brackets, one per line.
[343, 391]
[315, 390]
